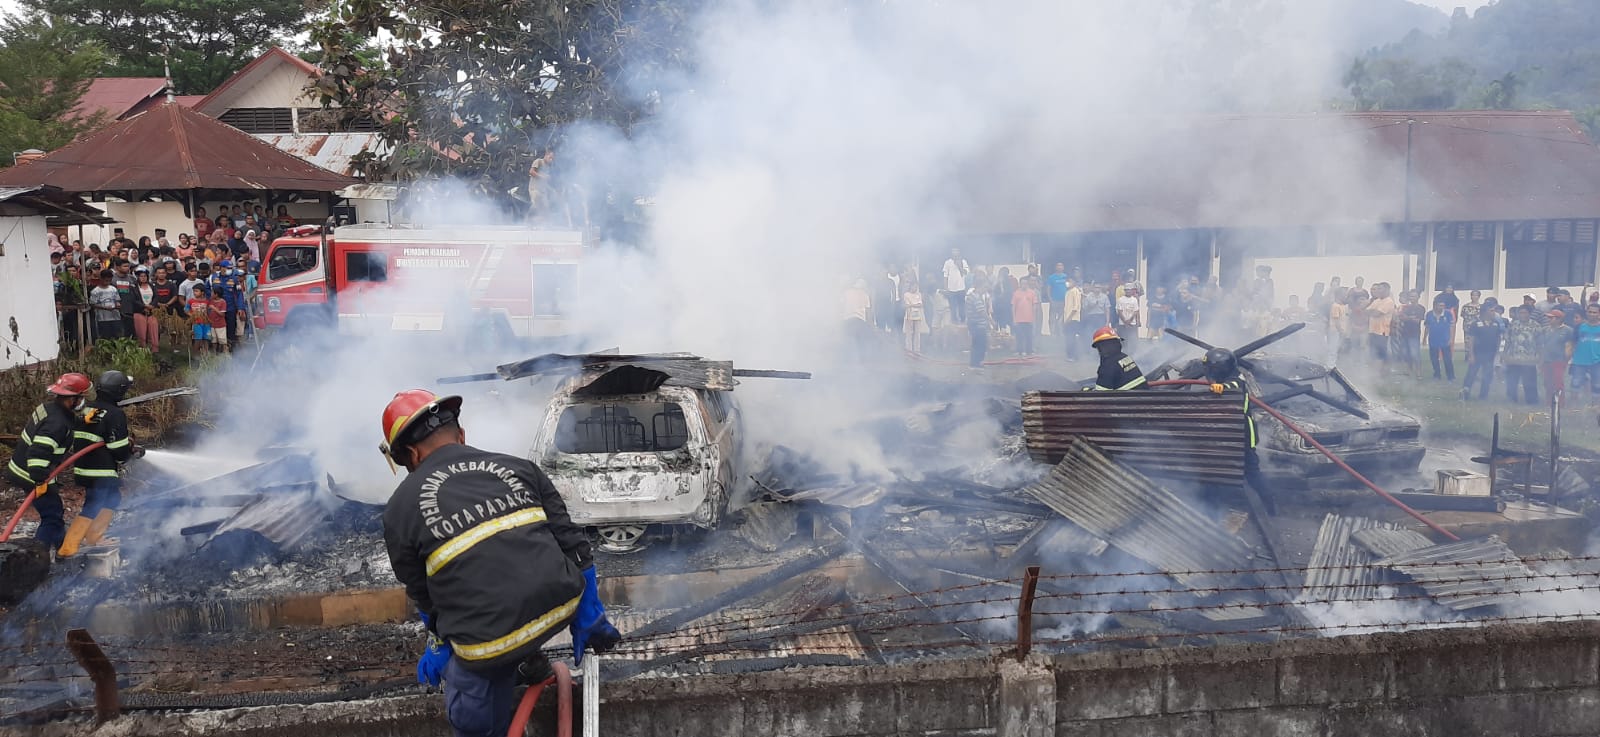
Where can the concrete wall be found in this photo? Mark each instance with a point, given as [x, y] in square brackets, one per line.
[1510, 680]
[27, 294]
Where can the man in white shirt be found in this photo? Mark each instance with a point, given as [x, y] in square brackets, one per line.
[955, 284]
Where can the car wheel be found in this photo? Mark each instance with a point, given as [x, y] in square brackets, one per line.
[618, 539]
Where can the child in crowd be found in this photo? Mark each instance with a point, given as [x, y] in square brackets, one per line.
[219, 320]
[200, 317]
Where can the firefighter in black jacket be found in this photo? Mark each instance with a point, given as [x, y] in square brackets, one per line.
[97, 472]
[1117, 372]
[484, 546]
[1222, 370]
[42, 447]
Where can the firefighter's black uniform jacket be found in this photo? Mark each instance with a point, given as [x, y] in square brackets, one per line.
[103, 422]
[42, 445]
[484, 546]
[1118, 372]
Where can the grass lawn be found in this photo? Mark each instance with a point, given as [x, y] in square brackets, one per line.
[1444, 414]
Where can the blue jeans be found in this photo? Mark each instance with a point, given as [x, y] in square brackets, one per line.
[479, 704]
[1580, 375]
[52, 522]
[100, 493]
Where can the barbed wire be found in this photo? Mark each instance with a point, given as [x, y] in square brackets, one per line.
[910, 612]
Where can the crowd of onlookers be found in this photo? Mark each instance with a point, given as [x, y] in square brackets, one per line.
[1537, 342]
[198, 289]
[961, 309]
[965, 307]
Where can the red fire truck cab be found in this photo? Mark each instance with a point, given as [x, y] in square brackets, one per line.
[372, 278]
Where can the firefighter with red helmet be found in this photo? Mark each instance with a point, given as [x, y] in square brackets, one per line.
[1118, 372]
[100, 470]
[484, 546]
[42, 447]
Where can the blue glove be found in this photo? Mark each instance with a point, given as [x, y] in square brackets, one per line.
[590, 628]
[430, 667]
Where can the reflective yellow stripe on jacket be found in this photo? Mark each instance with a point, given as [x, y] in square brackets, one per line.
[459, 544]
[519, 636]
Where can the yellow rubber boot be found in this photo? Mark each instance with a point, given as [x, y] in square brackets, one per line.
[97, 529]
[75, 533]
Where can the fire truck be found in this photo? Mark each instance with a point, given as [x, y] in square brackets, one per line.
[372, 278]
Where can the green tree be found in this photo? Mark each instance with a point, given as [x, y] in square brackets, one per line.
[209, 39]
[481, 90]
[42, 76]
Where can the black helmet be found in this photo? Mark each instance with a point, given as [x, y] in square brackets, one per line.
[112, 386]
[1220, 364]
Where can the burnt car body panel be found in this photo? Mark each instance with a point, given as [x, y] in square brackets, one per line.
[1387, 441]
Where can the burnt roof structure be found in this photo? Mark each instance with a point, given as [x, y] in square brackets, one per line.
[1243, 171]
[173, 153]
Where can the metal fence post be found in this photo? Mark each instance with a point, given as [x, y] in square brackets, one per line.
[1030, 583]
[107, 704]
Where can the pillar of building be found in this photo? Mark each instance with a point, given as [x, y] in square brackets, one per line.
[1499, 282]
[1425, 268]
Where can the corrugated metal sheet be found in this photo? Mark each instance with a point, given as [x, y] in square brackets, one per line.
[1338, 569]
[1467, 574]
[1391, 541]
[171, 147]
[1189, 435]
[1118, 504]
[117, 96]
[331, 151]
[285, 518]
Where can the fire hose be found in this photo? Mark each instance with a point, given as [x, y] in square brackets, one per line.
[1324, 450]
[563, 681]
[43, 487]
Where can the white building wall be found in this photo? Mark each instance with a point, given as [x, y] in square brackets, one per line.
[285, 86]
[27, 296]
[142, 218]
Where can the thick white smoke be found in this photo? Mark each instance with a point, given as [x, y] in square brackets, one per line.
[815, 142]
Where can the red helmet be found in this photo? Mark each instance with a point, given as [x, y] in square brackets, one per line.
[1104, 333]
[70, 385]
[414, 413]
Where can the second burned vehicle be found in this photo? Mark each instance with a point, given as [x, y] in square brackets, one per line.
[1372, 438]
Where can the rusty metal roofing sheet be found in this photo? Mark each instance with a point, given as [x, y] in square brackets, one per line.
[1467, 574]
[1222, 171]
[117, 96]
[1338, 569]
[171, 147]
[1385, 542]
[331, 151]
[1189, 435]
[1123, 507]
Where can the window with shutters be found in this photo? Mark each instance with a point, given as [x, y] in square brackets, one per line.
[1545, 253]
[1464, 255]
[260, 119]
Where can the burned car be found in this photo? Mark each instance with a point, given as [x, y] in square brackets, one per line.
[1372, 438]
[639, 440]
[1385, 441]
